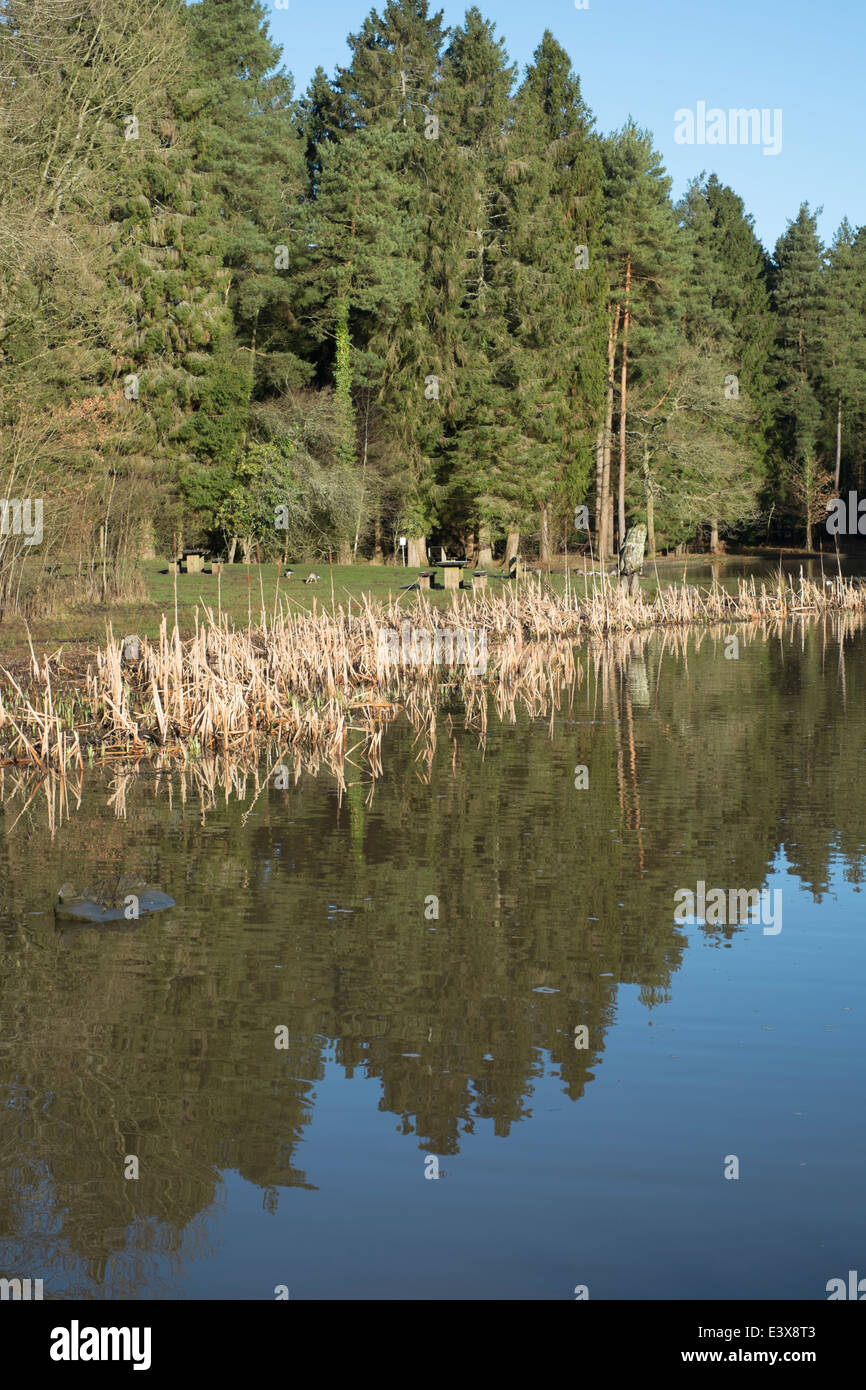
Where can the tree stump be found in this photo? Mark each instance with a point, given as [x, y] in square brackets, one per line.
[631, 554]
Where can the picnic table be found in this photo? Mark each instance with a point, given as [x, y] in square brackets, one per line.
[188, 562]
[452, 572]
[452, 575]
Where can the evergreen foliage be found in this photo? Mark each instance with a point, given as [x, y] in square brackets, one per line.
[488, 313]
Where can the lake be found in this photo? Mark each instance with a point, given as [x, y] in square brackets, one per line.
[474, 967]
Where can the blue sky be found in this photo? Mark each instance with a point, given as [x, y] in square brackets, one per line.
[652, 58]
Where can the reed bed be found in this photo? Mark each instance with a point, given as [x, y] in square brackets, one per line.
[324, 685]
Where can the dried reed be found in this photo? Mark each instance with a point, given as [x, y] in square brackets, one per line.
[309, 683]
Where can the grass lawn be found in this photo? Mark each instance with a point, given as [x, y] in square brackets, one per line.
[240, 592]
[242, 589]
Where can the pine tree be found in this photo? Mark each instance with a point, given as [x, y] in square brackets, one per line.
[366, 149]
[323, 114]
[166, 256]
[729, 328]
[845, 349]
[477, 491]
[354, 261]
[800, 298]
[394, 60]
[644, 267]
[251, 153]
[556, 287]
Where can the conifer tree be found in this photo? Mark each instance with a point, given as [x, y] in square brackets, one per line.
[800, 301]
[367, 150]
[729, 329]
[556, 286]
[250, 150]
[644, 267]
[323, 114]
[356, 273]
[845, 349]
[478, 490]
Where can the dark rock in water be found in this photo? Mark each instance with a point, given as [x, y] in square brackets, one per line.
[112, 900]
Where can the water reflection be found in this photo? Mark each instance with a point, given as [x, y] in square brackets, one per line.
[310, 909]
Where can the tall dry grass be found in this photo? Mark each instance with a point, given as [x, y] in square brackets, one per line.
[322, 685]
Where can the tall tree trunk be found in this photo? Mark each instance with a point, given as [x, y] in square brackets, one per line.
[363, 475]
[599, 471]
[714, 536]
[810, 475]
[605, 540]
[623, 386]
[378, 553]
[466, 542]
[838, 437]
[146, 549]
[650, 506]
[343, 371]
[252, 385]
[233, 545]
[417, 552]
[512, 545]
[544, 544]
[344, 553]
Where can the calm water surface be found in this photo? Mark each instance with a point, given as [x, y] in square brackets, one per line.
[413, 1036]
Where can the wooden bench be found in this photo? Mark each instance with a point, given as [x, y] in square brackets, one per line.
[479, 579]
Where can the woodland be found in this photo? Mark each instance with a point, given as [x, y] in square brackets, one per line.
[424, 297]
